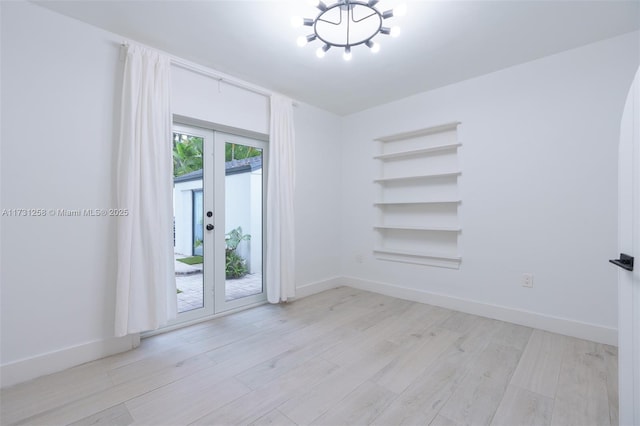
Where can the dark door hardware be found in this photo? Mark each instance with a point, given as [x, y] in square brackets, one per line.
[625, 262]
[209, 227]
[209, 214]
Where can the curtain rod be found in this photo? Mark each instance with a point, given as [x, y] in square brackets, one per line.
[189, 66]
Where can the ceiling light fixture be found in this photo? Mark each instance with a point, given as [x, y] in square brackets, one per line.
[347, 23]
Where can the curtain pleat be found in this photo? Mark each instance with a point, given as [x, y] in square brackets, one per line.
[145, 286]
[280, 259]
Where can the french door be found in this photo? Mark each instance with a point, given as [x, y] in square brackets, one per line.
[218, 202]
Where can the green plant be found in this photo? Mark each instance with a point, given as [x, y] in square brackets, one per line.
[234, 237]
[235, 265]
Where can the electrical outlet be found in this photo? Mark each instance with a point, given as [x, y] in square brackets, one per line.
[527, 280]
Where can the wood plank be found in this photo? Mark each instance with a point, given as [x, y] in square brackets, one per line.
[477, 398]
[43, 394]
[461, 322]
[581, 397]
[273, 368]
[425, 397]
[185, 401]
[611, 366]
[114, 416]
[513, 335]
[360, 407]
[522, 407]
[305, 407]
[117, 394]
[403, 370]
[539, 366]
[261, 401]
[274, 417]
[441, 420]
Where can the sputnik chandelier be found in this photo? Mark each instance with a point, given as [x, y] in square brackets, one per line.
[347, 23]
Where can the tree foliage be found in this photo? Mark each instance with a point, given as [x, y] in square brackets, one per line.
[234, 151]
[187, 154]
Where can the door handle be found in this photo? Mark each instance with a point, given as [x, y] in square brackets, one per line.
[625, 262]
[209, 227]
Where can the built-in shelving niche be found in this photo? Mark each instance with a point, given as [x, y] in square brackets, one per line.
[418, 202]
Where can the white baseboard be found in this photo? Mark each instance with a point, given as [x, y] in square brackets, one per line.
[53, 362]
[565, 326]
[318, 287]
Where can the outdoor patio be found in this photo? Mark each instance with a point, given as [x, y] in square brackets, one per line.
[189, 281]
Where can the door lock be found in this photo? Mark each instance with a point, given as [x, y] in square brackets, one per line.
[209, 227]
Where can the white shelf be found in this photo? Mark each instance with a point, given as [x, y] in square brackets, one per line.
[414, 152]
[422, 132]
[381, 250]
[400, 203]
[419, 228]
[432, 175]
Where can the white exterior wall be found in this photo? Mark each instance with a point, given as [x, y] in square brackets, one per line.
[183, 214]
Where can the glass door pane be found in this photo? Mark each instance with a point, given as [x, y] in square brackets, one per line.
[192, 243]
[243, 221]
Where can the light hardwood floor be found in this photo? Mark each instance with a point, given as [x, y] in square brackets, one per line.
[342, 357]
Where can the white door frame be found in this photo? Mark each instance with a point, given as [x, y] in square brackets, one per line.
[208, 236]
[220, 139]
[629, 243]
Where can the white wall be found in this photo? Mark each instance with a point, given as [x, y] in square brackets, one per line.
[198, 96]
[317, 197]
[60, 95]
[539, 179]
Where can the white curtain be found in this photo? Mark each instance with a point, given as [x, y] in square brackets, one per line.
[280, 188]
[145, 287]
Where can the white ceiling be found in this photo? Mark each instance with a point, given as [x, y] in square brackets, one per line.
[442, 42]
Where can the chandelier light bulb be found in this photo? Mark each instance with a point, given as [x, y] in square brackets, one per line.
[320, 52]
[375, 47]
[347, 54]
[297, 21]
[400, 10]
[395, 31]
[302, 41]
